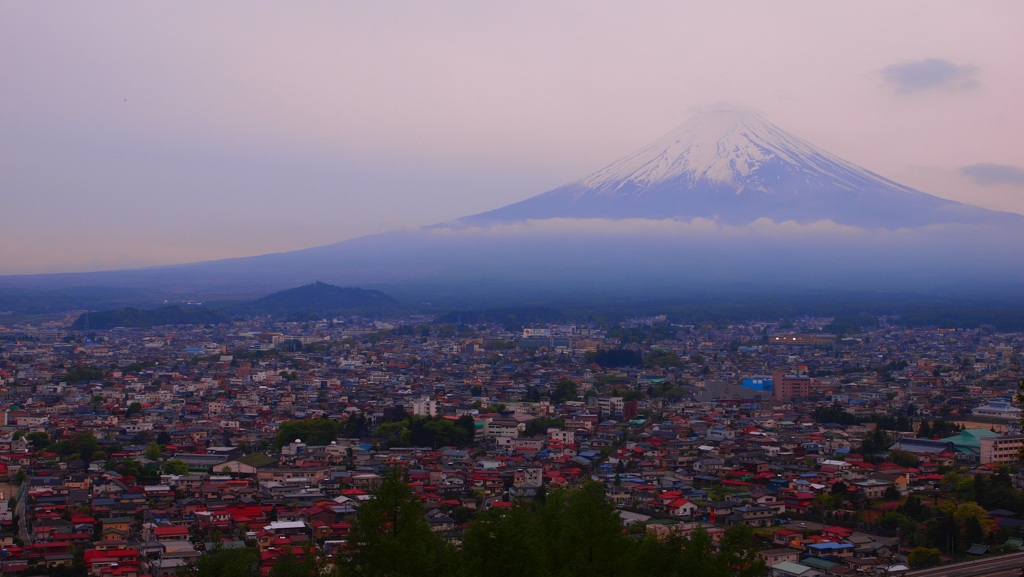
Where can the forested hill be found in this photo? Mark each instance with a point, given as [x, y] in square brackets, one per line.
[319, 298]
[141, 318]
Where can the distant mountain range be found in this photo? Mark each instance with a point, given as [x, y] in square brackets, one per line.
[727, 200]
[309, 301]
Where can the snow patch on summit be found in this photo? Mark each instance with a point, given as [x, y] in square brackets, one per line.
[725, 147]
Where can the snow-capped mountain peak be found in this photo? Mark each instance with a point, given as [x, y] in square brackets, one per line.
[736, 167]
[722, 146]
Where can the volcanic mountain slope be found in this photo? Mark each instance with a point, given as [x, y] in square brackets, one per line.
[670, 217]
[735, 167]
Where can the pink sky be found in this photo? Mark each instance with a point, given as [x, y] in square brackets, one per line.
[150, 133]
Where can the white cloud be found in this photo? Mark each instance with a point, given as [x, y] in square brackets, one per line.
[930, 73]
[988, 173]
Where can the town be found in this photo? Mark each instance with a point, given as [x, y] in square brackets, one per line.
[867, 450]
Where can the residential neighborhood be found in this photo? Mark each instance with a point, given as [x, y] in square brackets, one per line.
[131, 452]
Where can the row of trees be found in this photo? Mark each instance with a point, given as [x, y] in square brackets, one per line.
[410, 431]
[573, 533]
[839, 415]
[310, 431]
[614, 358]
[422, 431]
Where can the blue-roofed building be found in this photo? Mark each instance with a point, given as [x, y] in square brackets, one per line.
[830, 549]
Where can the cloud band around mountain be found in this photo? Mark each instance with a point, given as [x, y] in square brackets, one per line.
[930, 73]
[696, 227]
[989, 174]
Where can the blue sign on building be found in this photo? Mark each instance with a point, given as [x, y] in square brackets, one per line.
[759, 383]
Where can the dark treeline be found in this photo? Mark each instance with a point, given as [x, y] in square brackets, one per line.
[572, 533]
[309, 302]
[27, 301]
[423, 431]
[614, 358]
[853, 311]
[141, 318]
[514, 316]
[309, 431]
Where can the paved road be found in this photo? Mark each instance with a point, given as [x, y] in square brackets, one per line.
[19, 512]
[1001, 566]
[26, 538]
[812, 526]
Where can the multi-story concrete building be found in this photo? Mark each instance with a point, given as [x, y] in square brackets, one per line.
[1001, 449]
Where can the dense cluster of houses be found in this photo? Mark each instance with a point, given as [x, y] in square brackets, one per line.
[699, 440]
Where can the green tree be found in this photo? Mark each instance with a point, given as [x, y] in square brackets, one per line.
[891, 493]
[973, 519]
[922, 557]
[354, 426]
[614, 358]
[152, 452]
[974, 532]
[505, 543]
[584, 534]
[310, 431]
[175, 467]
[956, 526]
[913, 508]
[739, 553]
[290, 565]
[925, 431]
[840, 493]
[540, 425]
[82, 444]
[391, 537]
[903, 458]
[441, 432]
[134, 408]
[39, 439]
[467, 424]
[83, 374]
[242, 562]
[563, 390]
[662, 359]
[698, 557]
[877, 441]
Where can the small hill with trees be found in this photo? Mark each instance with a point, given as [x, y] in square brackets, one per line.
[317, 299]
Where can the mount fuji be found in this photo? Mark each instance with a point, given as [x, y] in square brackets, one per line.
[725, 200]
[735, 167]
